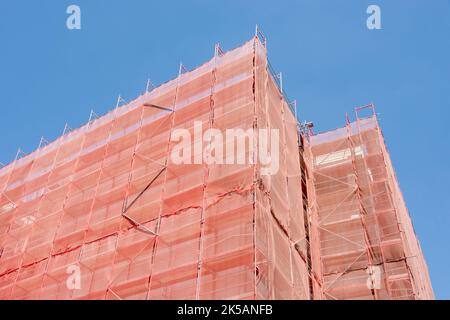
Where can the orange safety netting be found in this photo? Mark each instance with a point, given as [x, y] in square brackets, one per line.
[107, 199]
[363, 241]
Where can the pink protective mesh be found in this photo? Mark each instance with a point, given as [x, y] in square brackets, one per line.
[364, 246]
[107, 199]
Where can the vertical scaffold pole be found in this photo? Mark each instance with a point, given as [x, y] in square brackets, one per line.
[149, 87]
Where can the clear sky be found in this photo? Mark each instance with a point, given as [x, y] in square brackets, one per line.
[331, 62]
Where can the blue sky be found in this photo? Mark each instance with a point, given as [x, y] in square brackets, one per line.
[330, 61]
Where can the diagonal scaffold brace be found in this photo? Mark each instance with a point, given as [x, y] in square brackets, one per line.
[126, 207]
[157, 107]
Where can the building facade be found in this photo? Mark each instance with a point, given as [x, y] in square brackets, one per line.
[118, 210]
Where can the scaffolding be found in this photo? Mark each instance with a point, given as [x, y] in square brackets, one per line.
[106, 202]
[107, 199]
[363, 239]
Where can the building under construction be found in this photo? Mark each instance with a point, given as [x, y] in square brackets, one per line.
[105, 202]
